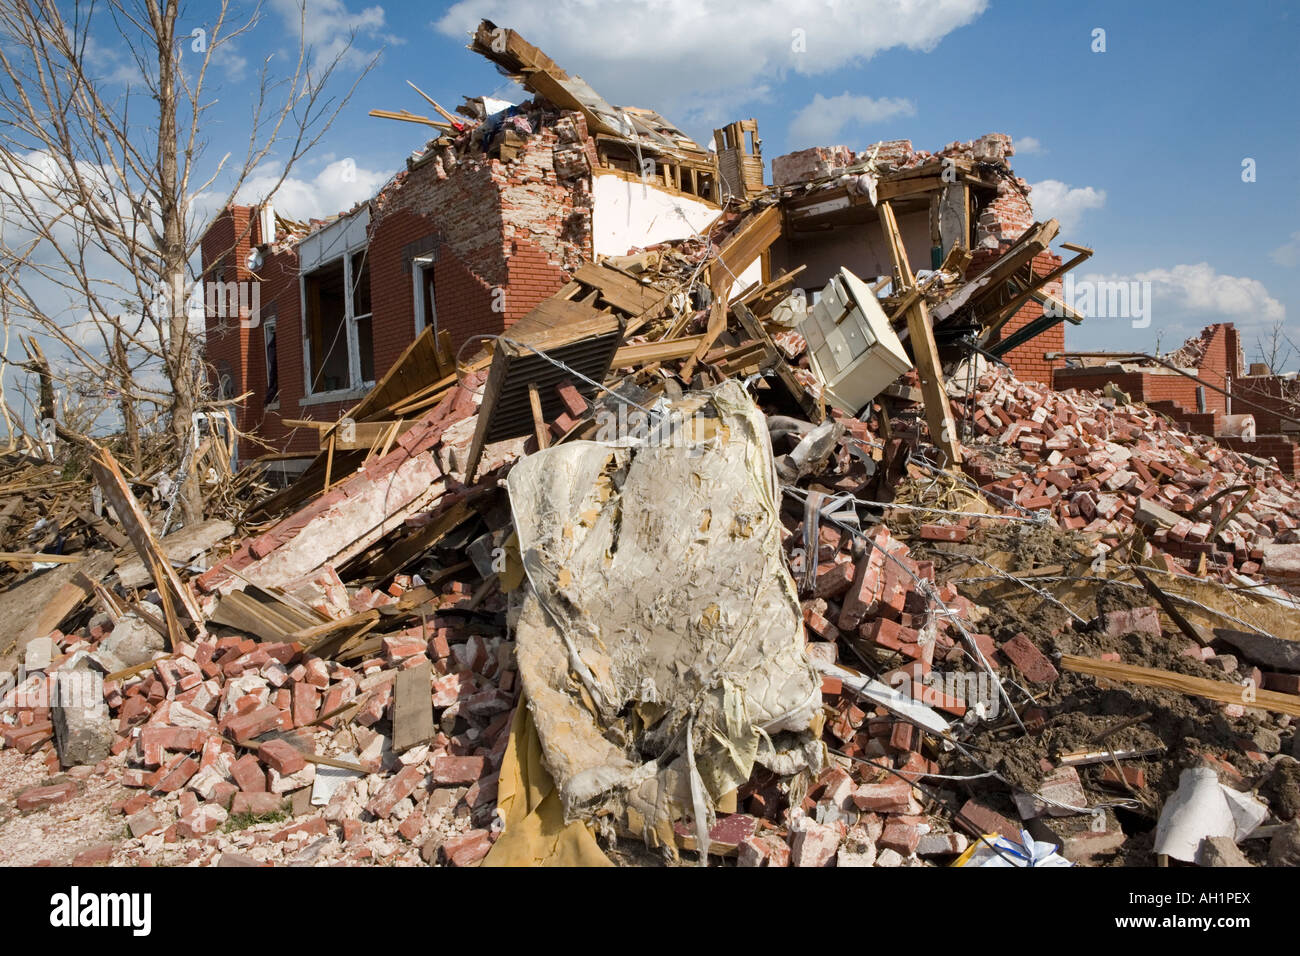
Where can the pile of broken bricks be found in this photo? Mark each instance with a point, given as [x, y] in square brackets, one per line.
[1102, 468]
[223, 741]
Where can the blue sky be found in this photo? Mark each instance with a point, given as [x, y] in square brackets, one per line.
[1138, 149]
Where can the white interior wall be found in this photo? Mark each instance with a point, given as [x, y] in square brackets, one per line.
[627, 215]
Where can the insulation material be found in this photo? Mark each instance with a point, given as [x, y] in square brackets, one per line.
[660, 637]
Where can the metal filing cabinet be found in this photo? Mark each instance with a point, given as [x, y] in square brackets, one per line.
[854, 350]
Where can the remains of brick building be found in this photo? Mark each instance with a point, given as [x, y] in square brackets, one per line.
[483, 224]
[793, 536]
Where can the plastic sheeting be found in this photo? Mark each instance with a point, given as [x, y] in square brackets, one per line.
[659, 635]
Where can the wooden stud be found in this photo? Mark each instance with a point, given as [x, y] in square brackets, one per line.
[938, 413]
[540, 429]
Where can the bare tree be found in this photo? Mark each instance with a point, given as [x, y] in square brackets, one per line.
[1276, 349]
[101, 181]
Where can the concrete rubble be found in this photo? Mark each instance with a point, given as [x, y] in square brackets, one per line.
[1036, 619]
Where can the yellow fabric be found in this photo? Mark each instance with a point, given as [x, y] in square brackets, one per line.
[535, 832]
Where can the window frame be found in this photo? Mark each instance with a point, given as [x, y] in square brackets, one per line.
[418, 266]
[344, 239]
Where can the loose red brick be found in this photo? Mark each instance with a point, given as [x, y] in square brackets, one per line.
[282, 757]
[467, 849]
[248, 774]
[253, 724]
[456, 770]
[315, 827]
[1030, 661]
[38, 798]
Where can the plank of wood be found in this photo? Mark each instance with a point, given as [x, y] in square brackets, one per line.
[109, 477]
[620, 291]
[413, 707]
[540, 429]
[32, 556]
[644, 353]
[1222, 691]
[309, 636]
[310, 757]
[938, 412]
[110, 534]
[329, 646]
[269, 622]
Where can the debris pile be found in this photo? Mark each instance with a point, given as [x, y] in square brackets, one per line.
[684, 569]
[1108, 469]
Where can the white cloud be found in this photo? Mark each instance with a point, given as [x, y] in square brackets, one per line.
[336, 188]
[328, 28]
[1027, 145]
[1288, 254]
[1053, 199]
[1199, 290]
[821, 120]
[695, 59]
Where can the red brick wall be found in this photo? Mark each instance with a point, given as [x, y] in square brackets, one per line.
[518, 227]
[1026, 360]
[1276, 394]
[1284, 450]
[1147, 387]
[1221, 361]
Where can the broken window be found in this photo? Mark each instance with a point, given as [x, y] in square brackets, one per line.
[340, 339]
[272, 360]
[426, 309]
[365, 341]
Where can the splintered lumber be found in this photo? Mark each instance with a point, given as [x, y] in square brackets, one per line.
[408, 118]
[422, 363]
[434, 103]
[1222, 691]
[413, 707]
[776, 361]
[326, 640]
[106, 530]
[176, 595]
[938, 413]
[270, 621]
[749, 240]
[32, 556]
[539, 421]
[645, 353]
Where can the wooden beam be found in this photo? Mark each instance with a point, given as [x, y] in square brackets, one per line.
[644, 353]
[26, 556]
[109, 477]
[1004, 314]
[1222, 691]
[434, 103]
[749, 240]
[938, 413]
[409, 118]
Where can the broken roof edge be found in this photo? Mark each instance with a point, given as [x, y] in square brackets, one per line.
[891, 159]
[542, 76]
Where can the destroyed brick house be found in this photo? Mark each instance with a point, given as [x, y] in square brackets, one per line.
[483, 224]
[766, 523]
[500, 211]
